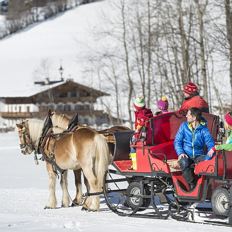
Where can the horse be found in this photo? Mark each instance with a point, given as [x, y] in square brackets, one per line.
[83, 149]
[64, 122]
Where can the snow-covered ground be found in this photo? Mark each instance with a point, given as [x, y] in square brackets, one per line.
[23, 195]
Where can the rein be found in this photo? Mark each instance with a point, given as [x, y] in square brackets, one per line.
[50, 157]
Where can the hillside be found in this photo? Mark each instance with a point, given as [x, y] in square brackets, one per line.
[38, 51]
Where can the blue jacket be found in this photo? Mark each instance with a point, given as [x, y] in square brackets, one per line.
[191, 142]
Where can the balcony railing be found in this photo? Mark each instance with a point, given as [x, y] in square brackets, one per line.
[16, 115]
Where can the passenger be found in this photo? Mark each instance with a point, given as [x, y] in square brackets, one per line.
[190, 141]
[162, 105]
[142, 116]
[192, 99]
[228, 145]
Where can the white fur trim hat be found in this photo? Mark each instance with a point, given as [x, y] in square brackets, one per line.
[139, 102]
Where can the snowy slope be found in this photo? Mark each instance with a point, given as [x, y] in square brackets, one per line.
[64, 39]
[23, 194]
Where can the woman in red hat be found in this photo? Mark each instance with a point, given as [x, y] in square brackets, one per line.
[192, 99]
[228, 145]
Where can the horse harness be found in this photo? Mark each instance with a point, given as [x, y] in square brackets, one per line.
[47, 144]
[26, 137]
[43, 146]
[47, 149]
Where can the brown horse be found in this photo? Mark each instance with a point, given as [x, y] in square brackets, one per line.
[82, 149]
[62, 121]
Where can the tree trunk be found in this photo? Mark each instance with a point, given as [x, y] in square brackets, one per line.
[229, 38]
[129, 79]
[201, 11]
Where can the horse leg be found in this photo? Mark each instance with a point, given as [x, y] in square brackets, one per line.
[52, 202]
[86, 184]
[64, 187]
[92, 203]
[78, 198]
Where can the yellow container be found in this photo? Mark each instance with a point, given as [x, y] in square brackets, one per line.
[134, 163]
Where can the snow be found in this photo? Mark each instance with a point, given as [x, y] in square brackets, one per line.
[61, 40]
[23, 185]
[24, 192]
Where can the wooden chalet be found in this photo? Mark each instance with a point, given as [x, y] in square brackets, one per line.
[68, 98]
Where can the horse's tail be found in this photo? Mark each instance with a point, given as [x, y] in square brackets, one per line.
[102, 159]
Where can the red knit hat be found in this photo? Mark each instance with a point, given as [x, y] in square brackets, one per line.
[190, 88]
[228, 118]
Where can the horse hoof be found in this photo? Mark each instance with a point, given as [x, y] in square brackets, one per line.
[84, 209]
[74, 204]
[47, 207]
[89, 210]
[92, 210]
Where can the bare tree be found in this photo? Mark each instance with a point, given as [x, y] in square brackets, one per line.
[201, 8]
[161, 45]
[228, 12]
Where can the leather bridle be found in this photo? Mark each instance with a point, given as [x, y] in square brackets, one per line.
[27, 141]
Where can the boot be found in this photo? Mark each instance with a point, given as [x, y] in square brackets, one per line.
[192, 185]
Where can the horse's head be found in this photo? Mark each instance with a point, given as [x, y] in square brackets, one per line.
[26, 144]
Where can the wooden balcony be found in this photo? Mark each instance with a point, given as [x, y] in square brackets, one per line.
[43, 113]
[15, 115]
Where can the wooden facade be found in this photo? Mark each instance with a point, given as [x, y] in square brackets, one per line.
[68, 97]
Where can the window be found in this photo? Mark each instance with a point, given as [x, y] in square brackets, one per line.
[86, 107]
[84, 94]
[79, 107]
[60, 107]
[86, 121]
[73, 94]
[67, 108]
[51, 106]
[63, 95]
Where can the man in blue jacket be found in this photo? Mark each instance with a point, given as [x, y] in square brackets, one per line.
[190, 141]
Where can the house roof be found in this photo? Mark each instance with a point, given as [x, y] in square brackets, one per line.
[55, 88]
[70, 84]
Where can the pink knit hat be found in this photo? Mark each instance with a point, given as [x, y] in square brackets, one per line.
[228, 118]
[162, 104]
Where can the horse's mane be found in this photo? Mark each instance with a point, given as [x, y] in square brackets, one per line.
[35, 127]
[60, 120]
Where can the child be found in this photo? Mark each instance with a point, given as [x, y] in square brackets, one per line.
[162, 105]
[228, 145]
[142, 116]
